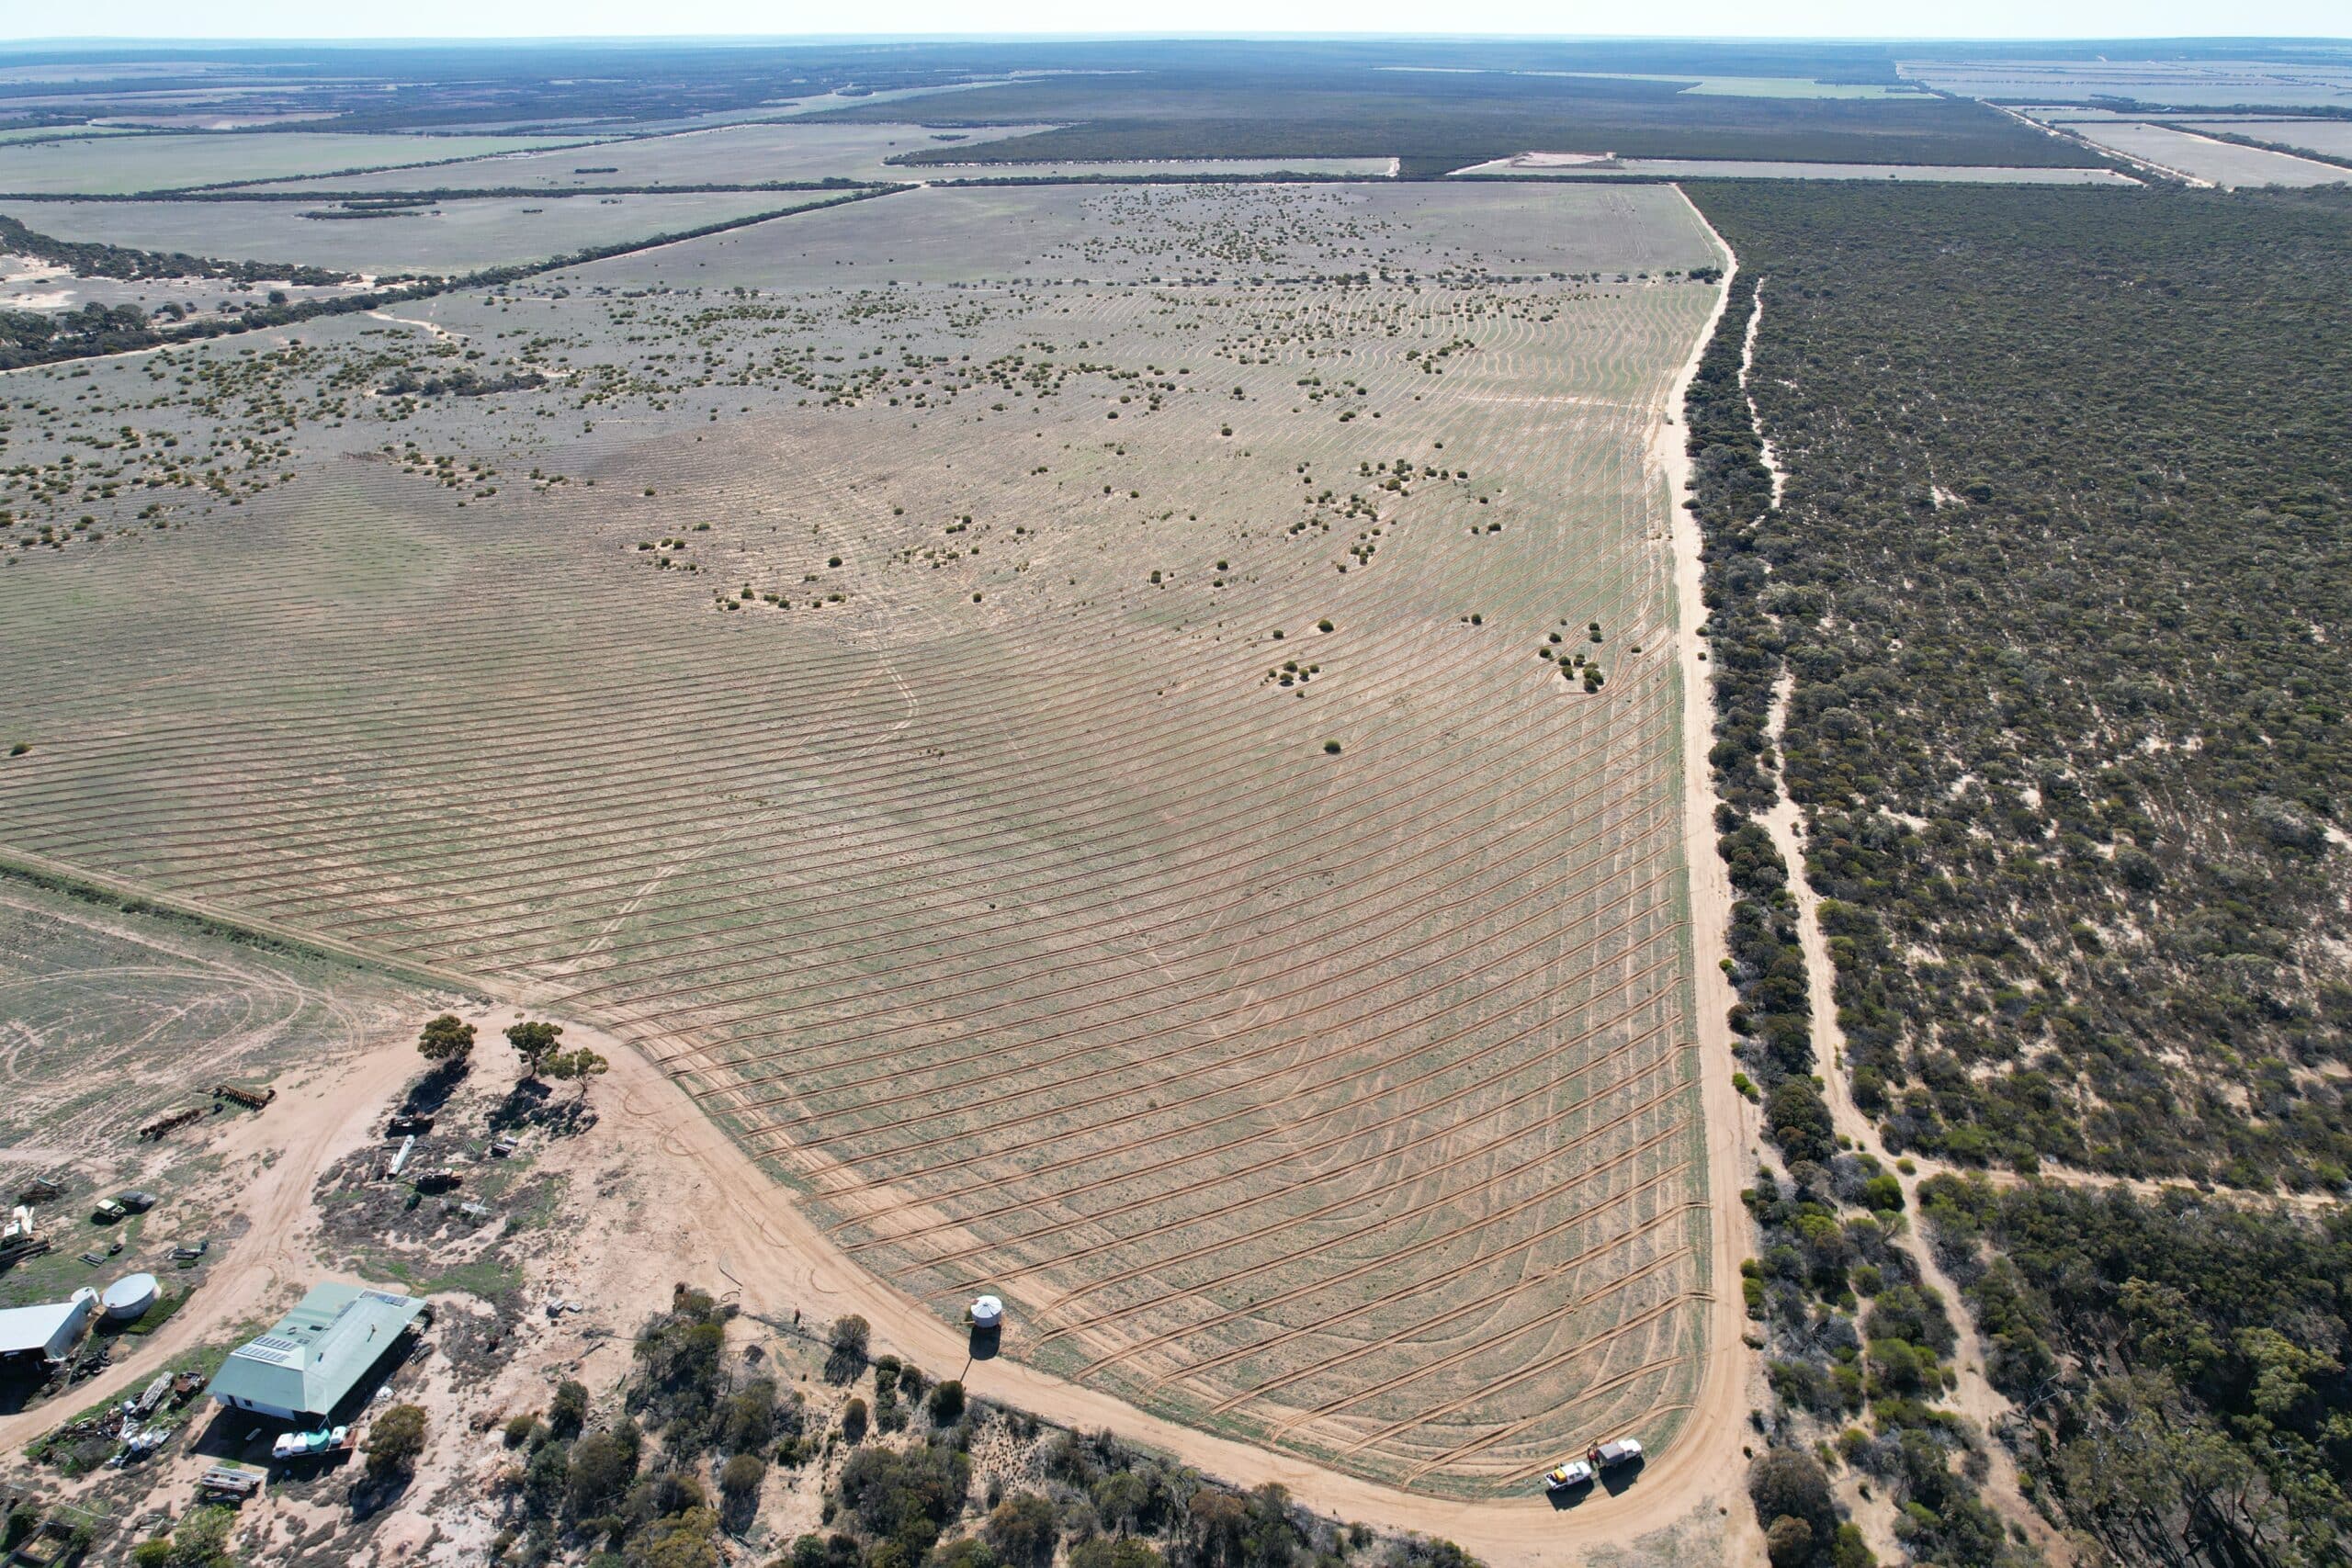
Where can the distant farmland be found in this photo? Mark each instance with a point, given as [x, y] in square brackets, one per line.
[1096, 781]
[429, 236]
[122, 165]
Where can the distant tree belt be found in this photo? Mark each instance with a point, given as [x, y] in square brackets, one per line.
[1444, 120]
[2062, 581]
[90, 258]
[30, 339]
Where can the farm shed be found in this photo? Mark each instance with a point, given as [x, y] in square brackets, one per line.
[300, 1370]
[49, 1331]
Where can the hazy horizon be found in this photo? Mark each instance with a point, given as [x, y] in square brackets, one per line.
[2067, 22]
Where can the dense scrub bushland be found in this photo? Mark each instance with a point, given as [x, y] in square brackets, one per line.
[2182, 1361]
[700, 1432]
[1732, 496]
[2062, 581]
[1270, 106]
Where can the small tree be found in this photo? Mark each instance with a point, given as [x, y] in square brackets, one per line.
[1789, 1543]
[447, 1042]
[1023, 1530]
[568, 1411]
[395, 1441]
[739, 1485]
[947, 1404]
[850, 1338]
[1120, 1497]
[582, 1066]
[533, 1043]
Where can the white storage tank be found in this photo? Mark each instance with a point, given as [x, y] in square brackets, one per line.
[987, 1312]
[129, 1297]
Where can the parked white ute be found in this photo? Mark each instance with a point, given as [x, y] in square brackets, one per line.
[1568, 1477]
[1624, 1451]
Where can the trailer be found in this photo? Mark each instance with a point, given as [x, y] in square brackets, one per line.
[16, 1249]
[1610, 1455]
[229, 1483]
[252, 1099]
[409, 1122]
[171, 1123]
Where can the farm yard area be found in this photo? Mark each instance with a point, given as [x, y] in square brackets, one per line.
[1306, 1053]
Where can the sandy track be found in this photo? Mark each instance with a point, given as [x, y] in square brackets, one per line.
[1729, 1386]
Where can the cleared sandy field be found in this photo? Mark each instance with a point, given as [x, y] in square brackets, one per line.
[2223, 84]
[2223, 163]
[1253, 236]
[2330, 138]
[1135, 168]
[987, 871]
[739, 154]
[121, 165]
[1731, 169]
[441, 237]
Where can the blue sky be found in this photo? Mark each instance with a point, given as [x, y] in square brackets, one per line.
[579, 18]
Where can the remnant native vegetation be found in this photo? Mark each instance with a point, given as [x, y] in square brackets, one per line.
[2062, 637]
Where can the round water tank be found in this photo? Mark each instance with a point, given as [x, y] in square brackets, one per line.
[987, 1312]
[129, 1297]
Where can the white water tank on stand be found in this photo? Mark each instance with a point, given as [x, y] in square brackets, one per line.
[987, 1312]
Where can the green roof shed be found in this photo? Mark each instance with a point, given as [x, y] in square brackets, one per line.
[302, 1369]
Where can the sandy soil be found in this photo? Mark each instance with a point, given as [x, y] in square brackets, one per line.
[1729, 1387]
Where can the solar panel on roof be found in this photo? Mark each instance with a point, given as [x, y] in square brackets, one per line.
[274, 1349]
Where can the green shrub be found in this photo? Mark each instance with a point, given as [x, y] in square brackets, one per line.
[395, 1440]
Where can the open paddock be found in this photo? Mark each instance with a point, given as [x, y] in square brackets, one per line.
[441, 237]
[2217, 84]
[1011, 235]
[1150, 168]
[1090, 783]
[125, 166]
[2328, 138]
[1730, 169]
[733, 154]
[2223, 163]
